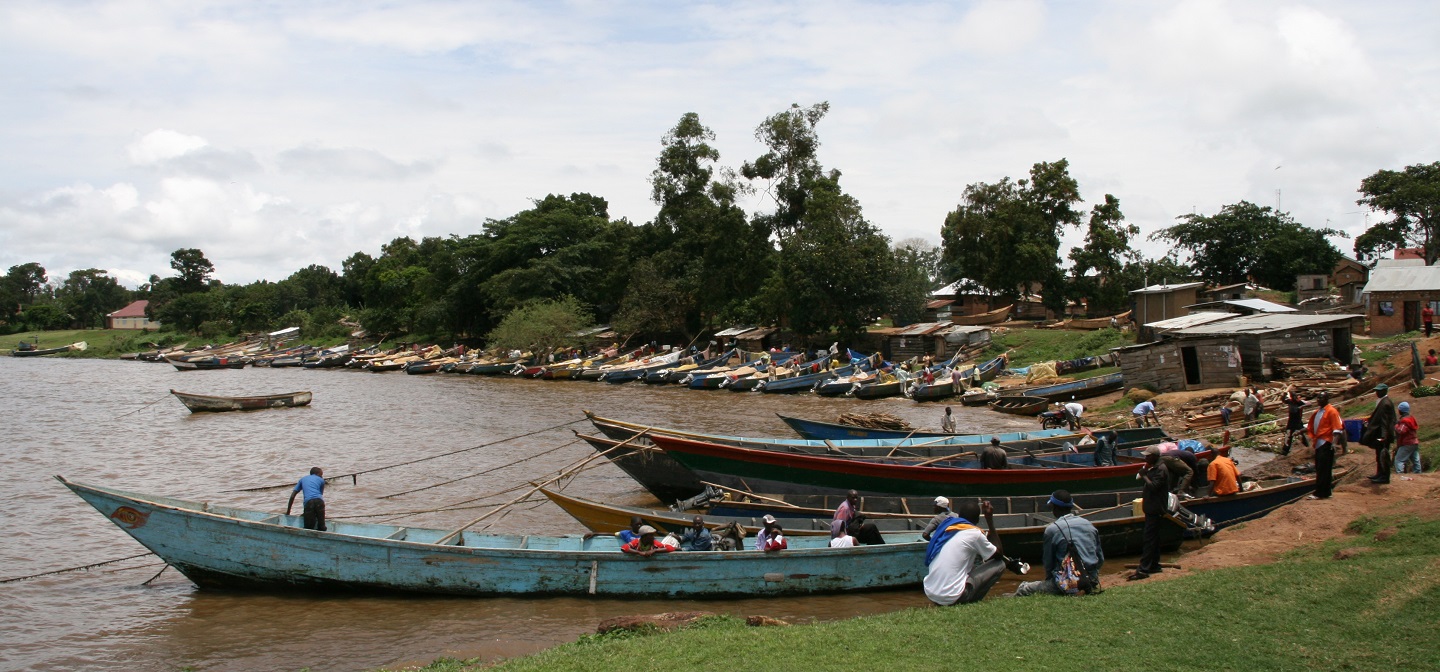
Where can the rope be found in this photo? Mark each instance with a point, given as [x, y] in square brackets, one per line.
[143, 407]
[75, 569]
[480, 473]
[352, 475]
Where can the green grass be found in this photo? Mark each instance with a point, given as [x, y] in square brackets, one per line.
[1308, 611]
[111, 343]
[1029, 346]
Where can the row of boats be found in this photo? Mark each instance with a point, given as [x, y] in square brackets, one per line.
[733, 481]
[827, 373]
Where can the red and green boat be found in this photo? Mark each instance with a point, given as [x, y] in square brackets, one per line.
[791, 473]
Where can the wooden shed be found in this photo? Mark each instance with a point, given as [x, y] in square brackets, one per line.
[1162, 302]
[1396, 294]
[1216, 354]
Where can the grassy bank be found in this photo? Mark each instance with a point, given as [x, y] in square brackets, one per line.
[111, 343]
[1028, 346]
[1309, 611]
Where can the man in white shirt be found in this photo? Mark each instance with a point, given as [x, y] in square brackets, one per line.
[964, 563]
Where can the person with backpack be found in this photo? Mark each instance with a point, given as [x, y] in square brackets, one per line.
[1072, 553]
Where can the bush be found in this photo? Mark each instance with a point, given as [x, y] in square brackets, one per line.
[1139, 394]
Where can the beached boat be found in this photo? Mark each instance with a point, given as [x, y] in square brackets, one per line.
[20, 352]
[993, 317]
[804, 382]
[773, 471]
[977, 397]
[1122, 532]
[1020, 404]
[834, 431]
[220, 547]
[1077, 389]
[199, 403]
[1099, 322]
[893, 388]
[638, 369]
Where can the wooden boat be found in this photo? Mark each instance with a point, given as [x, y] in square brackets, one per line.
[1098, 322]
[1269, 495]
[976, 397]
[993, 317]
[1122, 532]
[1078, 389]
[198, 403]
[208, 363]
[770, 471]
[893, 388]
[220, 547]
[831, 431]
[641, 367]
[804, 382]
[79, 345]
[1020, 404]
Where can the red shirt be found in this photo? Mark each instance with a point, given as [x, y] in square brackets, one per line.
[1406, 431]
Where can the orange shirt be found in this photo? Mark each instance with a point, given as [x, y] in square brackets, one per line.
[1224, 476]
[1323, 425]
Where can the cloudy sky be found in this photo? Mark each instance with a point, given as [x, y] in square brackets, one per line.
[277, 135]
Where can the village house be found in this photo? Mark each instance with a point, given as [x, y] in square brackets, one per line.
[131, 317]
[1241, 307]
[1162, 302]
[937, 339]
[1226, 352]
[1345, 282]
[1397, 291]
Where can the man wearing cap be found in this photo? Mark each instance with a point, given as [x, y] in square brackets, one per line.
[1327, 432]
[942, 513]
[963, 562]
[769, 538]
[1224, 474]
[644, 545]
[1067, 529]
[1155, 501]
[1380, 433]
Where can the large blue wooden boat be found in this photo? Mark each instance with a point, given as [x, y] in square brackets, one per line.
[1079, 389]
[231, 548]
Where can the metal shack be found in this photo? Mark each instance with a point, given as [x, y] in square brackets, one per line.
[1218, 353]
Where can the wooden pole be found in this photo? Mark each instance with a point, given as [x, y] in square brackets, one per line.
[535, 489]
[751, 494]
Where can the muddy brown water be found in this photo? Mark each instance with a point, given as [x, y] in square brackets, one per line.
[113, 423]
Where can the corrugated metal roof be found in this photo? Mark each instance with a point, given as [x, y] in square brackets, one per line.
[938, 303]
[1190, 320]
[1161, 289]
[756, 334]
[923, 328]
[966, 329]
[1261, 323]
[735, 331]
[1258, 305]
[1406, 262]
[1403, 279]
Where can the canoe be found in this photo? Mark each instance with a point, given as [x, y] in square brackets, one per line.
[772, 471]
[1121, 531]
[993, 317]
[802, 383]
[198, 403]
[639, 369]
[1221, 511]
[893, 388]
[227, 548]
[831, 431]
[976, 397]
[79, 345]
[1020, 404]
[1099, 322]
[208, 363]
[1078, 389]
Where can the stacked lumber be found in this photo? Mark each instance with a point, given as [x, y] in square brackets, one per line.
[1307, 368]
[874, 421]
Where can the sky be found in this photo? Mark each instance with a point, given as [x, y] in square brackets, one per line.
[275, 135]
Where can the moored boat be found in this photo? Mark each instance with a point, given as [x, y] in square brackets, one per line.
[993, 317]
[21, 352]
[1078, 389]
[1019, 404]
[220, 547]
[199, 403]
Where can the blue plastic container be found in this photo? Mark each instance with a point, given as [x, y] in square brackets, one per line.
[1353, 429]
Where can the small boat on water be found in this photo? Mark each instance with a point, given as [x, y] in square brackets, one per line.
[208, 363]
[1020, 404]
[1127, 437]
[201, 403]
[21, 351]
[226, 548]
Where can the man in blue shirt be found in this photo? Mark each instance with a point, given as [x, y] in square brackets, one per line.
[1068, 528]
[313, 508]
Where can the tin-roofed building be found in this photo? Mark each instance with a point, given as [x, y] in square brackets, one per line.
[131, 317]
[1397, 292]
[1162, 302]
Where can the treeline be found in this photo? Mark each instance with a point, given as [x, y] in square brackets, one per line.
[814, 263]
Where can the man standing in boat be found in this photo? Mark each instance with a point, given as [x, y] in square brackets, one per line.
[313, 504]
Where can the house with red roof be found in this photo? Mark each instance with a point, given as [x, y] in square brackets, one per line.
[131, 317]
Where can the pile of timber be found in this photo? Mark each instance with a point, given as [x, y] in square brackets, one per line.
[874, 421]
[1307, 368]
[1204, 412]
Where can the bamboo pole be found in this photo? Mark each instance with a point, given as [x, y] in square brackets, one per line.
[747, 493]
[535, 489]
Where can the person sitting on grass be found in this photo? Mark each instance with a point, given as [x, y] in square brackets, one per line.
[1067, 529]
[963, 562]
[644, 545]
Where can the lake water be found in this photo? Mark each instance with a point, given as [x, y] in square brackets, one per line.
[114, 423]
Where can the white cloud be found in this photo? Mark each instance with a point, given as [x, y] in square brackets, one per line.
[163, 144]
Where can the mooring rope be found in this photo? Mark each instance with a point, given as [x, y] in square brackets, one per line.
[75, 569]
[480, 473]
[353, 475]
[148, 405]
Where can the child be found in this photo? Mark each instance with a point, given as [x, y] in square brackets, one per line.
[1407, 440]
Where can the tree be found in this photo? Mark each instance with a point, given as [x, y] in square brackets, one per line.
[192, 268]
[20, 287]
[1106, 251]
[1245, 241]
[915, 270]
[791, 165]
[1004, 238]
[186, 312]
[1412, 197]
[88, 295]
[542, 326]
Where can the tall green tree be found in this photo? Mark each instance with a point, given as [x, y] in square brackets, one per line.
[1412, 198]
[89, 294]
[1245, 241]
[791, 165]
[192, 268]
[20, 287]
[542, 326]
[1095, 267]
[1004, 238]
